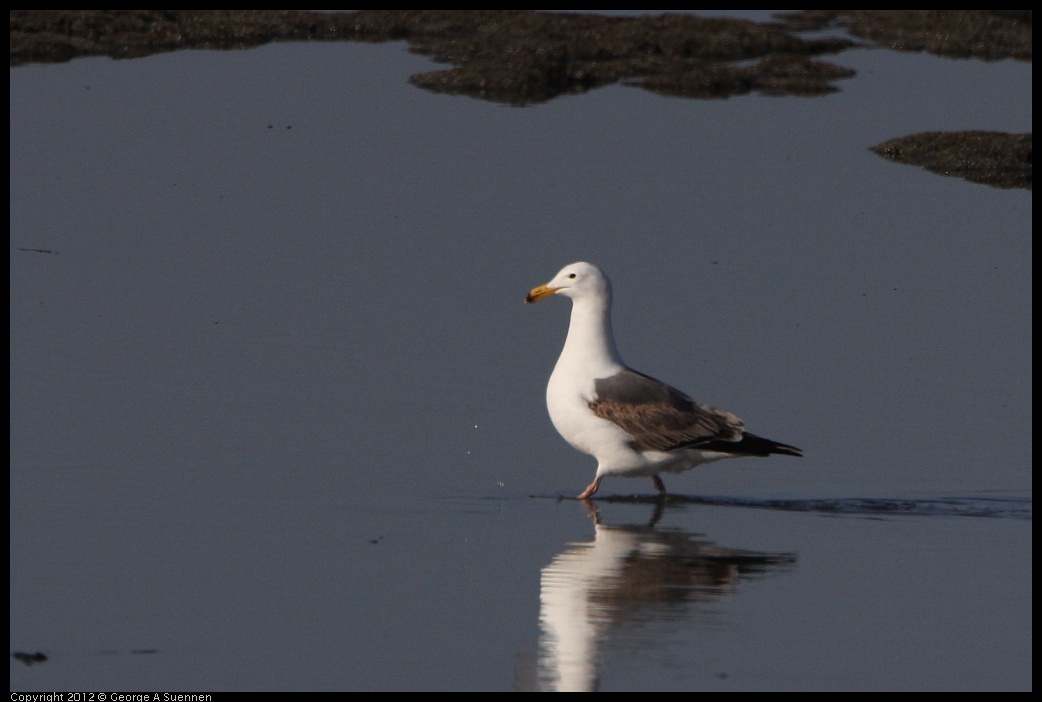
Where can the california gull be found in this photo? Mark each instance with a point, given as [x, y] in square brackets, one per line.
[633, 424]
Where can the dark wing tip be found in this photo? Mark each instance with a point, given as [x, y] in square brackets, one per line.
[787, 450]
[751, 445]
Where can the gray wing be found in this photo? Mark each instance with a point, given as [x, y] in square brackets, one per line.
[660, 417]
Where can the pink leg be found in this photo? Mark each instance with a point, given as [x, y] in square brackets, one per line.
[591, 490]
[659, 485]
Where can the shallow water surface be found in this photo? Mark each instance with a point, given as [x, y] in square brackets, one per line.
[277, 415]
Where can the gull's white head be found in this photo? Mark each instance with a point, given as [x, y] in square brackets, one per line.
[574, 280]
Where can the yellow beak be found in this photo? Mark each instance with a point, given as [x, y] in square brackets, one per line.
[539, 293]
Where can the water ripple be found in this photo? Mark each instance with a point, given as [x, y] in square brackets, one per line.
[993, 507]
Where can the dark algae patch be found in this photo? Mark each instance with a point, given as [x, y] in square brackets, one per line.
[526, 57]
[995, 158]
[517, 57]
[990, 35]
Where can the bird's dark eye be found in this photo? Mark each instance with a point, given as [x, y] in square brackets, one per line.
[571, 275]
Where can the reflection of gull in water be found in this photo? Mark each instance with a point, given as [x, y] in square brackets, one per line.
[627, 573]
